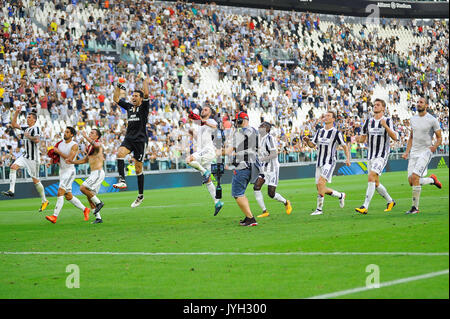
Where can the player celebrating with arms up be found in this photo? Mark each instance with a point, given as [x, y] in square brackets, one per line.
[30, 160]
[136, 136]
[326, 140]
[270, 170]
[420, 148]
[91, 185]
[206, 152]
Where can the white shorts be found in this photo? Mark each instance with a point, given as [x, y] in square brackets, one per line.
[204, 157]
[32, 167]
[66, 179]
[326, 171]
[94, 181]
[418, 164]
[271, 178]
[377, 165]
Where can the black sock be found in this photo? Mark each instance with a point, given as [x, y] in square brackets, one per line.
[121, 167]
[140, 179]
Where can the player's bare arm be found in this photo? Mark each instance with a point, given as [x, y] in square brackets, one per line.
[347, 154]
[361, 138]
[145, 87]
[408, 146]
[95, 144]
[308, 142]
[14, 123]
[80, 161]
[438, 142]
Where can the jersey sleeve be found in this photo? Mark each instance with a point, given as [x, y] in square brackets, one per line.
[340, 138]
[146, 105]
[390, 124]
[270, 143]
[436, 126]
[315, 138]
[36, 132]
[124, 104]
[211, 121]
[365, 127]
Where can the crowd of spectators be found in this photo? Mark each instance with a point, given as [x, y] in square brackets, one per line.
[55, 73]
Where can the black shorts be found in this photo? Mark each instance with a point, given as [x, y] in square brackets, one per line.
[137, 148]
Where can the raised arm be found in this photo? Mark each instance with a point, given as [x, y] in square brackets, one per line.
[145, 87]
[95, 144]
[14, 123]
[116, 96]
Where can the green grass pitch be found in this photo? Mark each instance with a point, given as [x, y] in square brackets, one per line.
[181, 220]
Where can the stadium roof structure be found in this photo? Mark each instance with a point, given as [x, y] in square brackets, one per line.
[362, 8]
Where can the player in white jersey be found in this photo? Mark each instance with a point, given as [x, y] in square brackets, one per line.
[326, 141]
[29, 160]
[270, 170]
[378, 131]
[206, 151]
[67, 150]
[95, 157]
[420, 149]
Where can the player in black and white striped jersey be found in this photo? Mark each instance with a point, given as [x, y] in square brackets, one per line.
[269, 172]
[30, 159]
[326, 140]
[378, 131]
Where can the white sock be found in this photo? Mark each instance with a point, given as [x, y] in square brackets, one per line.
[383, 192]
[41, 191]
[369, 193]
[319, 202]
[279, 198]
[426, 180]
[416, 195]
[197, 166]
[59, 205]
[12, 180]
[95, 200]
[260, 199]
[76, 202]
[212, 190]
[336, 194]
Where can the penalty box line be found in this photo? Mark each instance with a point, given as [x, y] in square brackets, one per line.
[384, 284]
[225, 253]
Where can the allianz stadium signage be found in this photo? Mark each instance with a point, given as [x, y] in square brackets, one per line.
[394, 5]
[360, 8]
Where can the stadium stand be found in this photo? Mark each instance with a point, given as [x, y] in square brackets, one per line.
[62, 58]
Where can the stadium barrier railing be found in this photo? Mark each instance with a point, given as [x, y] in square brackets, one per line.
[178, 164]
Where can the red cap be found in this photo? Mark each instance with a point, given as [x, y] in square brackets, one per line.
[242, 115]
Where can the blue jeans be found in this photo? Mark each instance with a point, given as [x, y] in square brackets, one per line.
[240, 181]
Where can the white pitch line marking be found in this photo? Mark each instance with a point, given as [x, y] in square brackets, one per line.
[299, 253]
[384, 284]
